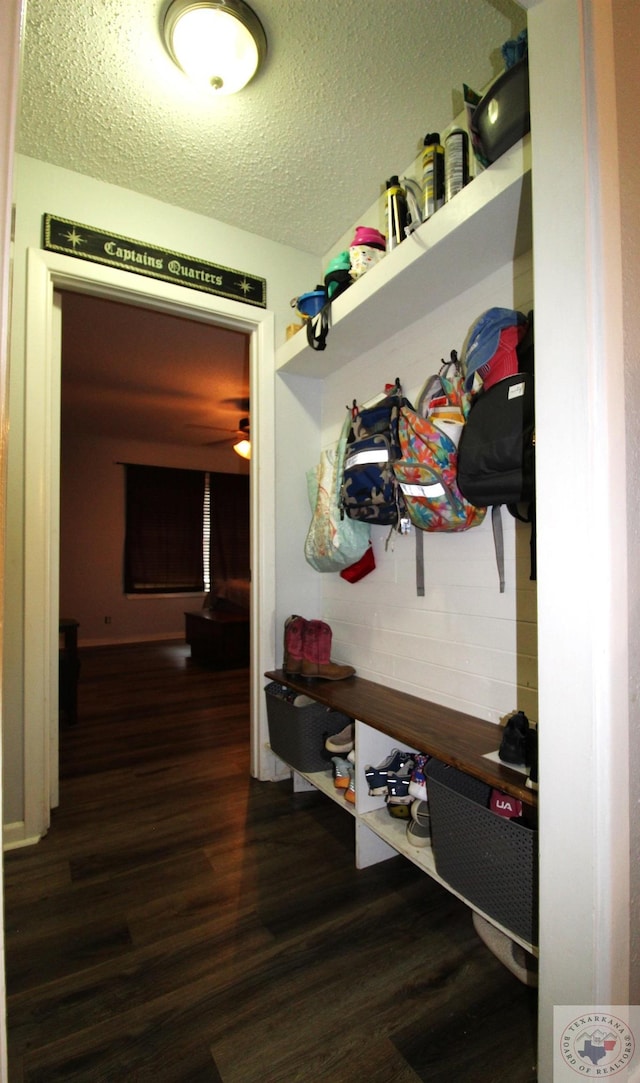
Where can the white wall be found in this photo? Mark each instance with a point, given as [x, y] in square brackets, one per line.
[92, 526]
[42, 188]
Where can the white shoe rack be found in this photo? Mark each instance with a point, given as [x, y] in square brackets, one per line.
[378, 835]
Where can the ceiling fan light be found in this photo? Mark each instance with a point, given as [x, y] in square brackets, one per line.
[218, 43]
[243, 449]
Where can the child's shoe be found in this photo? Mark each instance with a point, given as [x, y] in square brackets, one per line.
[398, 796]
[350, 792]
[341, 772]
[342, 742]
[418, 835]
[376, 777]
[418, 784]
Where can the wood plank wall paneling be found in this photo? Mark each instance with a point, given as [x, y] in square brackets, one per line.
[464, 644]
[184, 923]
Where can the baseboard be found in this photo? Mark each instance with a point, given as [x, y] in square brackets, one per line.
[151, 637]
[13, 836]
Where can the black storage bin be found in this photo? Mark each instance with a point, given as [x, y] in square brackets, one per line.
[297, 734]
[490, 860]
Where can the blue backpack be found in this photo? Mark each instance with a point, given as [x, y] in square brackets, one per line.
[370, 491]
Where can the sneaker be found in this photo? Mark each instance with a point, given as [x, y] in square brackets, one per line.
[421, 813]
[377, 777]
[341, 772]
[418, 784]
[350, 792]
[510, 954]
[343, 742]
[418, 834]
[513, 747]
[398, 797]
[398, 789]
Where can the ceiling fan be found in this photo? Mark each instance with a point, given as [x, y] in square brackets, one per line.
[242, 446]
[239, 438]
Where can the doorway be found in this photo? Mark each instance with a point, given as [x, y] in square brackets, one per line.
[150, 389]
[153, 390]
[47, 273]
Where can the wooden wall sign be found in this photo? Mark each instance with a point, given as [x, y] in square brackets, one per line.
[83, 242]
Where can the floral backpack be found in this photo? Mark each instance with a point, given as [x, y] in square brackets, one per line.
[427, 470]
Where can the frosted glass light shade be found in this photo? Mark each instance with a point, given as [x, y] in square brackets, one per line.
[243, 449]
[219, 43]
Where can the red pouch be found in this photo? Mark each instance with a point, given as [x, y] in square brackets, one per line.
[504, 805]
[361, 567]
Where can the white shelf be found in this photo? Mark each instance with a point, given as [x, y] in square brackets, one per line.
[323, 781]
[485, 226]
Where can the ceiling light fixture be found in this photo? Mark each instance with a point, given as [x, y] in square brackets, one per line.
[243, 449]
[220, 43]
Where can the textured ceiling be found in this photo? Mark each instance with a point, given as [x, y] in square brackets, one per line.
[348, 90]
[347, 93]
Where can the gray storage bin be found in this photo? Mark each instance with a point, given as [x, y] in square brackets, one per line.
[503, 115]
[297, 734]
[490, 860]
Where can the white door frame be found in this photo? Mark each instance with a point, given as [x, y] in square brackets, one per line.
[10, 21]
[583, 602]
[47, 272]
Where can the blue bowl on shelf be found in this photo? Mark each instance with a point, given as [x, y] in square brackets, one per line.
[309, 304]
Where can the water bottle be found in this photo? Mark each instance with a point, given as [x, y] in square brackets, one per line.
[396, 211]
[432, 173]
[456, 162]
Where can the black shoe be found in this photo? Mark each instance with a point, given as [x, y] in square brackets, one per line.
[513, 747]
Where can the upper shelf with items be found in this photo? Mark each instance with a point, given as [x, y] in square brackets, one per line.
[483, 227]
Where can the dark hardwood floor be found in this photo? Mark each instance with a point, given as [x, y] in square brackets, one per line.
[184, 923]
